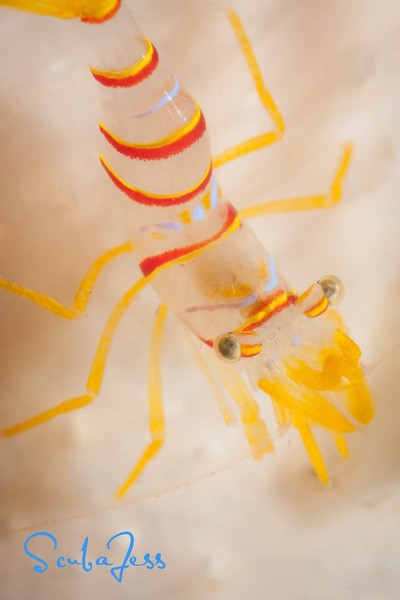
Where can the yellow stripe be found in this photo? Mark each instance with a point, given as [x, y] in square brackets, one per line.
[128, 71]
[206, 200]
[264, 312]
[173, 137]
[155, 196]
[305, 294]
[185, 217]
[235, 225]
[247, 350]
[318, 308]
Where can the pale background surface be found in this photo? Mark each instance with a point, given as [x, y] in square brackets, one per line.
[256, 530]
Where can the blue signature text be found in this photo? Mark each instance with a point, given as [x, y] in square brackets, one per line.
[117, 570]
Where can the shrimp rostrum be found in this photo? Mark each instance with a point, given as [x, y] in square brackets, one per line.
[202, 258]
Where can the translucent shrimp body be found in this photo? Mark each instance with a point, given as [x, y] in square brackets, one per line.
[205, 263]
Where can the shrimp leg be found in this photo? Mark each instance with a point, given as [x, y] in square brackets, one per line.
[95, 378]
[157, 422]
[312, 449]
[271, 137]
[307, 202]
[82, 295]
[266, 139]
[254, 426]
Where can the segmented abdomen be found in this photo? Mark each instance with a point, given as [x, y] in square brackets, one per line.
[206, 265]
[156, 147]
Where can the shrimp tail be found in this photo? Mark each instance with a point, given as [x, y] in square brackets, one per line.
[90, 11]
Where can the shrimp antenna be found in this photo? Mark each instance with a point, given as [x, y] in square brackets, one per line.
[157, 493]
[369, 369]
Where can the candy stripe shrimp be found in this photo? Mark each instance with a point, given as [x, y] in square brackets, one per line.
[201, 257]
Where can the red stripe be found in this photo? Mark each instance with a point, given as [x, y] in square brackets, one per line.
[209, 343]
[142, 198]
[291, 299]
[150, 264]
[262, 303]
[131, 80]
[160, 152]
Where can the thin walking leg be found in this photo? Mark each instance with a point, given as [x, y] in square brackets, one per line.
[157, 423]
[96, 372]
[81, 296]
[260, 141]
[307, 202]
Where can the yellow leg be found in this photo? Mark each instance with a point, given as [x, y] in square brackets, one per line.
[266, 139]
[314, 409]
[96, 372]
[254, 427]
[82, 295]
[307, 202]
[341, 446]
[312, 449]
[157, 423]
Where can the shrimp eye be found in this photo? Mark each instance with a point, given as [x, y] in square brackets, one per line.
[227, 347]
[332, 288]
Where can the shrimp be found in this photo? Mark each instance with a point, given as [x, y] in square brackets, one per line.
[202, 258]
